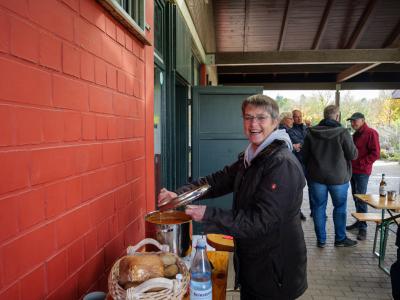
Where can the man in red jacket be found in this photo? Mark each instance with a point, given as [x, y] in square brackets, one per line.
[366, 140]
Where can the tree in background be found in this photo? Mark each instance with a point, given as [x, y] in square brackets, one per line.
[382, 113]
[285, 104]
[389, 112]
[313, 106]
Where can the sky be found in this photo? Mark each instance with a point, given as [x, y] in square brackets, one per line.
[295, 94]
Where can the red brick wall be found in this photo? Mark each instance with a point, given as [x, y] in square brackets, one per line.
[75, 91]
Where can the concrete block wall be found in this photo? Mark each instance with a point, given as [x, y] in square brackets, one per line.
[72, 146]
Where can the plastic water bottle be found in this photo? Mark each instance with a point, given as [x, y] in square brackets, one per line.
[200, 274]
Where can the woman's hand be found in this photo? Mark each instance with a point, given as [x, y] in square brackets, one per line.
[196, 212]
[165, 195]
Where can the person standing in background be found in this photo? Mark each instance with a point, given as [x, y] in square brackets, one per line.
[366, 140]
[285, 120]
[297, 134]
[328, 152]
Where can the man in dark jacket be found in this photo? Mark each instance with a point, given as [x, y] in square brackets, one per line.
[327, 151]
[366, 140]
[297, 135]
[267, 184]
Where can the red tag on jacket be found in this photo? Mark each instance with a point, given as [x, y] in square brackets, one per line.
[273, 186]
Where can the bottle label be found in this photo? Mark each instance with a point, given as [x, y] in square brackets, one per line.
[203, 293]
[382, 190]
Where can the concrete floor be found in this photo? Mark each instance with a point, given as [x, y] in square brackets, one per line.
[346, 273]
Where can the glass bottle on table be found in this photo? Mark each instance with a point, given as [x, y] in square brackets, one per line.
[382, 187]
[200, 274]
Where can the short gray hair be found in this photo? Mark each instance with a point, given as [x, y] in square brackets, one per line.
[296, 110]
[285, 115]
[331, 111]
[267, 103]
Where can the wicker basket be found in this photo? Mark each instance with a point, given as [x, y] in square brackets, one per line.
[172, 289]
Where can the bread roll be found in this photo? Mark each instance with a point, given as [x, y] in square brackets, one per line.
[168, 259]
[170, 271]
[139, 268]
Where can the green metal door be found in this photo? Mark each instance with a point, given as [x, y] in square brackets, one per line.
[217, 133]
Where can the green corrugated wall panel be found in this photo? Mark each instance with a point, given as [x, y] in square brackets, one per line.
[183, 47]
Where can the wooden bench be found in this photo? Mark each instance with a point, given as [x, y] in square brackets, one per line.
[377, 219]
[367, 217]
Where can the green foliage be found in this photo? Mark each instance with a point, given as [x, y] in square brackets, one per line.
[394, 157]
[312, 107]
[381, 113]
[384, 154]
[390, 156]
[285, 104]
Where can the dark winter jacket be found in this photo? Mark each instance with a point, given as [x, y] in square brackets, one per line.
[366, 140]
[281, 126]
[270, 252]
[297, 135]
[327, 152]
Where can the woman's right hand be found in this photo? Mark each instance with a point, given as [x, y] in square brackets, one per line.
[165, 195]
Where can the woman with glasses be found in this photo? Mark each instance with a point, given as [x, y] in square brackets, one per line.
[267, 181]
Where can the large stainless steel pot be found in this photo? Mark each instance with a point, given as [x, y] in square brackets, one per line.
[173, 228]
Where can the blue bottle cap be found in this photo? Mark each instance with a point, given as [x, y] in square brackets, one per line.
[201, 243]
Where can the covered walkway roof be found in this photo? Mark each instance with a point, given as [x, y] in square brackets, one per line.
[284, 44]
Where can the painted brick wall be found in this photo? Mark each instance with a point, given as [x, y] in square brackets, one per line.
[73, 146]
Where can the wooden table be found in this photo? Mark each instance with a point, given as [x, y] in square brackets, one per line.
[386, 206]
[379, 202]
[220, 261]
[220, 242]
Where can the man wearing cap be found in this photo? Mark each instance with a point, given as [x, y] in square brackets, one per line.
[366, 140]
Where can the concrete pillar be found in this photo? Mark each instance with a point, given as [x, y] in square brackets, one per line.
[337, 95]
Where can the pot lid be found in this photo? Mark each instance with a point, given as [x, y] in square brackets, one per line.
[184, 198]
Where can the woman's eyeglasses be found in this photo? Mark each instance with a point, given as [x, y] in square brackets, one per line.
[258, 118]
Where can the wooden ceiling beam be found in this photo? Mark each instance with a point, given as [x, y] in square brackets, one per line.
[245, 24]
[322, 25]
[299, 69]
[361, 25]
[342, 56]
[321, 85]
[358, 69]
[284, 26]
[354, 71]
[286, 69]
[394, 35]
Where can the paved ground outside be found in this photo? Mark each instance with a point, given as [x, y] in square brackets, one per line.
[347, 273]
